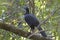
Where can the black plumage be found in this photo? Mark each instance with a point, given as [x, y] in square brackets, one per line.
[32, 21]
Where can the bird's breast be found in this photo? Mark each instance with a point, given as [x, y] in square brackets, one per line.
[31, 20]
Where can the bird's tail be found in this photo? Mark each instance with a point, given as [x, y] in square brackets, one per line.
[42, 32]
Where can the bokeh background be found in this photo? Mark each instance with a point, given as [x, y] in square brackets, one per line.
[12, 12]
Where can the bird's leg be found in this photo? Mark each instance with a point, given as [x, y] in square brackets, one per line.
[32, 30]
[32, 33]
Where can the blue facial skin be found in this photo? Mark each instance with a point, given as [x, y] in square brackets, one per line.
[32, 21]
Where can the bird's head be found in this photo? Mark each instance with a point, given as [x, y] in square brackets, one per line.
[27, 10]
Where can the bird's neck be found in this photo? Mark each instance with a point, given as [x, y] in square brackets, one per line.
[27, 12]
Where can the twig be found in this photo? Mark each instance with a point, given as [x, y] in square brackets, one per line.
[49, 16]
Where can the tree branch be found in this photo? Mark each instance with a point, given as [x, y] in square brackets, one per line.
[49, 16]
[20, 32]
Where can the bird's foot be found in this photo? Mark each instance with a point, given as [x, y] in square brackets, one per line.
[31, 35]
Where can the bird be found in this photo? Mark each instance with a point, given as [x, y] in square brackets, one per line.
[33, 22]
